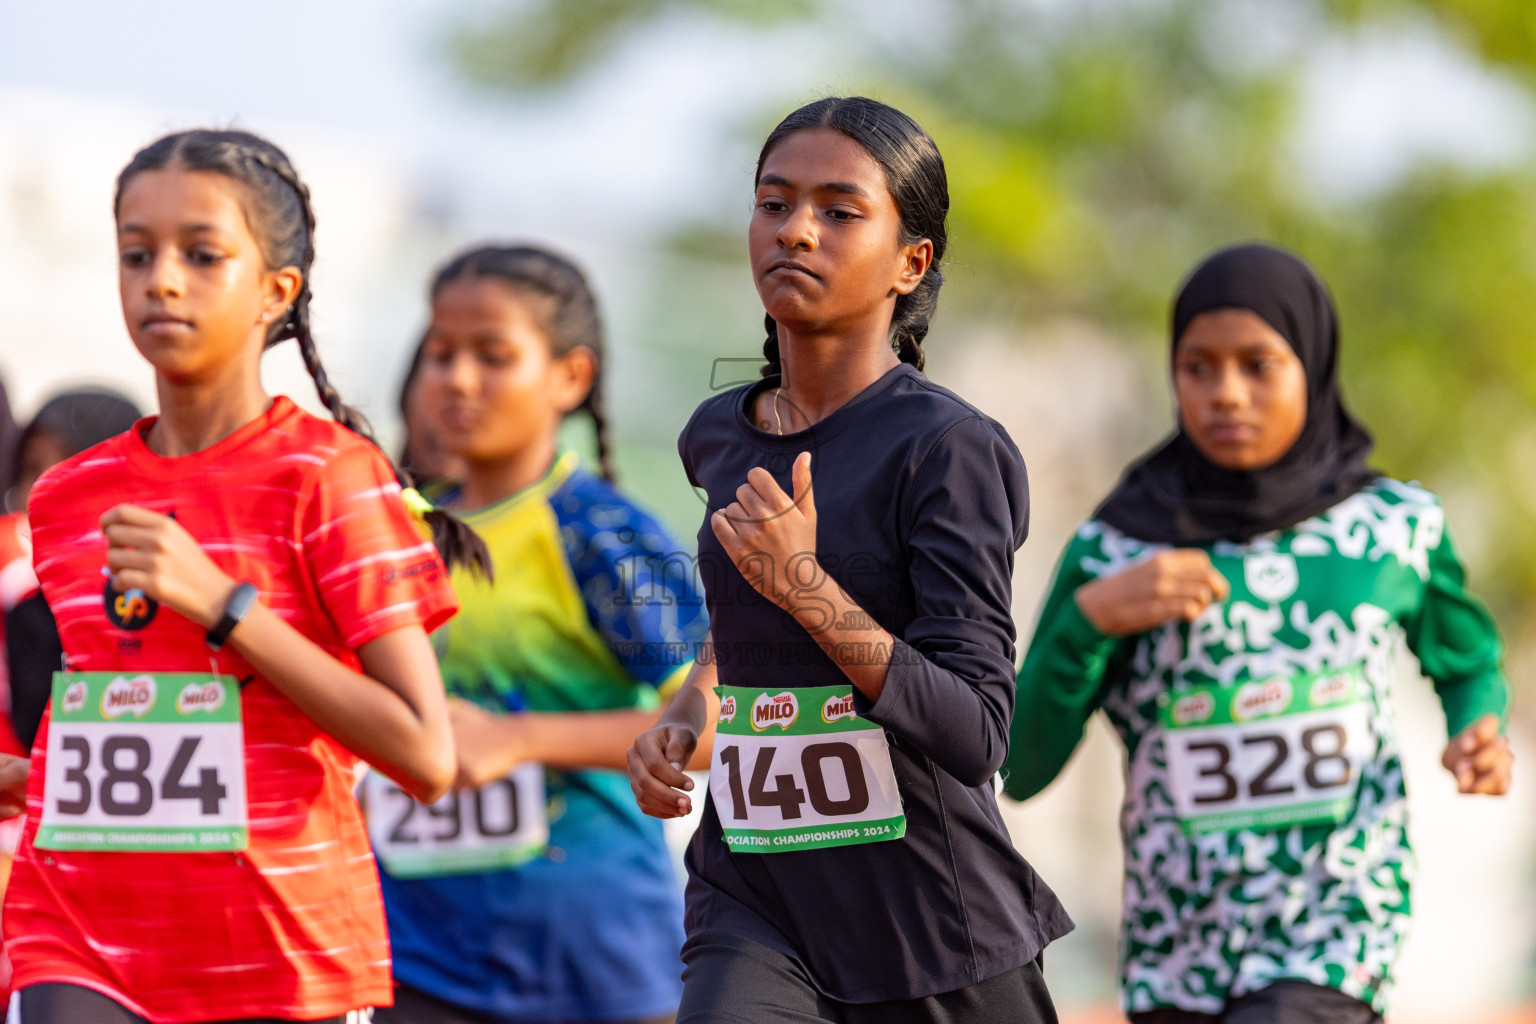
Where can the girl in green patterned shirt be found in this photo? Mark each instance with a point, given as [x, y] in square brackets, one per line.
[1235, 608]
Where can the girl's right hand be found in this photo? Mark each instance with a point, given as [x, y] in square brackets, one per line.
[1177, 584]
[656, 774]
[486, 745]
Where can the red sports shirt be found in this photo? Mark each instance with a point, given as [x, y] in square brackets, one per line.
[293, 926]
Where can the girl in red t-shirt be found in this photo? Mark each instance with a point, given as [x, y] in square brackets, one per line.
[244, 601]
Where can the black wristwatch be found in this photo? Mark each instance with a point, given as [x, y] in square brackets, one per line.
[235, 609]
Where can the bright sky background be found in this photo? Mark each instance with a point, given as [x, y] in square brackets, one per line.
[661, 135]
[364, 98]
[653, 119]
[379, 71]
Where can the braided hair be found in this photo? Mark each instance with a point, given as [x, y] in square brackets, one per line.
[914, 174]
[572, 321]
[282, 219]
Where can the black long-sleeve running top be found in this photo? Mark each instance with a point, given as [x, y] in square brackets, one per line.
[921, 502]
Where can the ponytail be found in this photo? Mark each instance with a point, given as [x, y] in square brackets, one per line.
[594, 407]
[773, 365]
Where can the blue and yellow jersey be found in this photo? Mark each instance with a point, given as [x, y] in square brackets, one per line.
[594, 607]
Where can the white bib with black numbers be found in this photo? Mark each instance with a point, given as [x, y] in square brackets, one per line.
[1267, 753]
[149, 762]
[502, 824]
[800, 770]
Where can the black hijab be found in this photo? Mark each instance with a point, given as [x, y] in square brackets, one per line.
[1175, 495]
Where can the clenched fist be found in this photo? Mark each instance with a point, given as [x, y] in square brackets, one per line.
[1169, 586]
[1480, 758]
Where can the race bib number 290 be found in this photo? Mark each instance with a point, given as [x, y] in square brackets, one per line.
[148, 762]
[501, 825]
[799, 770]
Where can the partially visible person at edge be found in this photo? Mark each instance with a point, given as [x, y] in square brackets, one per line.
[249, 582]
[65, 426]
[573, 913]
[1235, 607]
[10, 430]
[851, 864]
[422, 453]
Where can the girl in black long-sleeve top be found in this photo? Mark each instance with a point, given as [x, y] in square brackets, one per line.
[852, 864]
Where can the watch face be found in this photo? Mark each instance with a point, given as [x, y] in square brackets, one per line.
[241, 600]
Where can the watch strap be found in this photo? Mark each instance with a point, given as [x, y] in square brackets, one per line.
[235, 609]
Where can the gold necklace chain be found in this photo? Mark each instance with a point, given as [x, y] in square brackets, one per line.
[778, 424]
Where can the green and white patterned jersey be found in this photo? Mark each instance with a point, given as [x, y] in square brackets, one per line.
[1265, 819]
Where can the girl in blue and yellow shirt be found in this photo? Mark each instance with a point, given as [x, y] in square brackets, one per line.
[539, 892]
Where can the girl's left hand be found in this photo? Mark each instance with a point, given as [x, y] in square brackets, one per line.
[1480, 758]
[487, 745]
[155, 554]
[770, 536]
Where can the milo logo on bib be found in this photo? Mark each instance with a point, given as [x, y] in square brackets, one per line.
[75, 696]
[781, 710]
[728, 709]
[124, 696]
[838, 708]
[819, 780]
[205, 697]
[1193, 708]
[1257, 700]
[1332, 689]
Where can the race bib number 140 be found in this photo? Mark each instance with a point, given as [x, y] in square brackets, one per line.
[799, 770]
[1267, 753]
[144, 762]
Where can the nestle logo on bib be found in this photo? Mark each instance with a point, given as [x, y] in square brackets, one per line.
[1255, 700]
[780, 710]
[728, 709]
[837, 708]
[1193, 707]
[74, 697]
[124, 696]
[200, 697]
[1331, 689]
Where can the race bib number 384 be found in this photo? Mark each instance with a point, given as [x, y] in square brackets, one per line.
[144, 762]
[799, 770]
[1267, 753]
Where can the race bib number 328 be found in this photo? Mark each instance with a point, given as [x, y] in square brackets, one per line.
[799, 770]
[1268, 753]
[144, 762]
